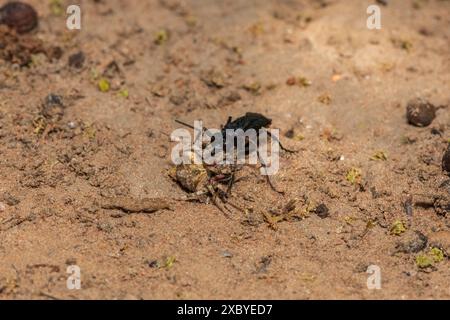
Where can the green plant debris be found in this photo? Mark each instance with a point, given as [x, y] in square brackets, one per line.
[292, 211]
[39, 125]
[89, 131]
[299, 81]
[103, 85]
[124, 93]
[324, 98]
[257, 29]
[161, 37]
[331, 135]
[436, 254]
[418, 4]
[349, 220]
[56, 7]
[253, 87]
[191, 21]
[406, 45]
[403, 44]
[37, 59]
[423, 261]
[303, 82]
[215, 78]
[370, 224]
[407, 140]
[272, 220]
[169, 262]
[271, 86]
[94, 74]
[379, 155]
[307, 277]
[398, 227]
[298, 212]
[299, 137]
[354, 175]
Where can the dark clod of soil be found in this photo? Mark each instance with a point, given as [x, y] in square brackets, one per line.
[322, 211]
[413, 242]
[153, 264]
[446, 160]
[71, 261]
[19, 49]
[19, 16]
[420, 112]
[264, 264]
[290, 134]
[77, 60]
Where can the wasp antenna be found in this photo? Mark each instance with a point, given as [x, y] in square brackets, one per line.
[184, 124]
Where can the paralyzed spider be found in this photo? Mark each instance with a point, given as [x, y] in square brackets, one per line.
[206, 181]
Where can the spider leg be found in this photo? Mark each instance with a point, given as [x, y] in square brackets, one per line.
[224, 197]
[193, 196]
[214, 196]
[279, 143]
[233, 205]
[263, 164]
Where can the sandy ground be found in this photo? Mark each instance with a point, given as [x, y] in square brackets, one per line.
[189, 60]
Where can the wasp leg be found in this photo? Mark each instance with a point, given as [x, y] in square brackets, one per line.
[279, 143]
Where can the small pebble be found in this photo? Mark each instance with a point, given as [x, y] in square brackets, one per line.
[71, 261]
[52, 99]
[322, 211]
[227, 254]
[77, 60]
[19, 16]
[72, 125]
[153, 264]
[2, 207]
[289, 134]
[383, 2]
[420, 112]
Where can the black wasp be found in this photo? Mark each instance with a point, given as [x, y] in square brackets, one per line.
[251, 120]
